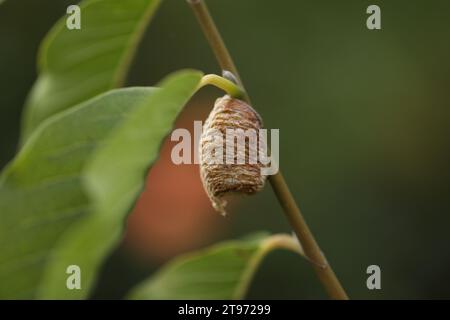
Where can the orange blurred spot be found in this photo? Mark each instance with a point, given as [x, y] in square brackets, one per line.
[173, 213]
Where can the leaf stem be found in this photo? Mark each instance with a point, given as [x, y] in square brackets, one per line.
[311, 249]
[226, 85]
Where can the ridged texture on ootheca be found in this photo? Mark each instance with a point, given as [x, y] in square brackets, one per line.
[220, 179]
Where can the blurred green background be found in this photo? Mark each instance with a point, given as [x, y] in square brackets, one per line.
[364, 126]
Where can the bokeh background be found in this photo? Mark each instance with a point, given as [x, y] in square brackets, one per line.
[364, 119]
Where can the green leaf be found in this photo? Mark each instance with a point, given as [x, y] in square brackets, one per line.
[76, 65]
[64, 197]
[223, 271]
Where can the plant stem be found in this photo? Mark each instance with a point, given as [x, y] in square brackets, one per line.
[215, 40]
[311, 248]
[226, 85]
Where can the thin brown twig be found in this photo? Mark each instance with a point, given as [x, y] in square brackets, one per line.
[311, 249]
